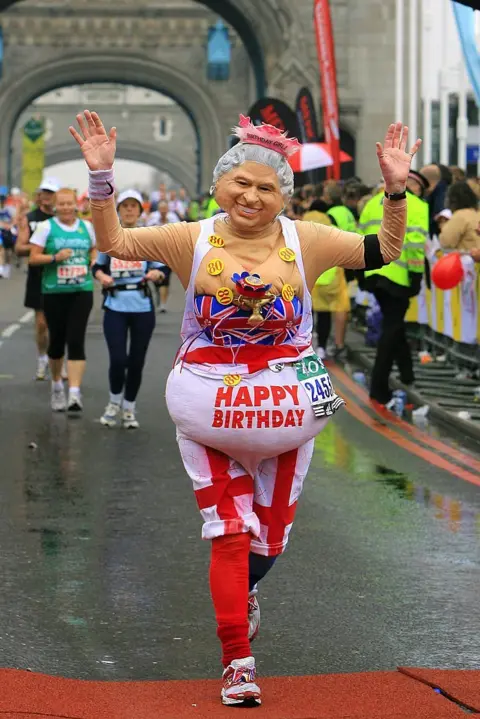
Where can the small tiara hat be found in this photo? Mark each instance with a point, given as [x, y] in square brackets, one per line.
[267, 136]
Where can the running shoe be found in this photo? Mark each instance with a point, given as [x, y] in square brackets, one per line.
[239, 684]
[253, 614]
[321, 353]
[42, 369]
[109, 417]
[75, 403]
[58, 401]
[129, 421]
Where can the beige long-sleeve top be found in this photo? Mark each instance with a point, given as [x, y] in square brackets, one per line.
[322, 247]
[462, 232]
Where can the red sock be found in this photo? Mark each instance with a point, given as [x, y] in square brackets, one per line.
[229, 588]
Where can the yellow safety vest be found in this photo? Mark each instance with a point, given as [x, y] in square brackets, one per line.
[412, 258]
[327, 277]
[344, 218]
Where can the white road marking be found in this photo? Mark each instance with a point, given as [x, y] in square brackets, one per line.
[8, 331]
[27, 317]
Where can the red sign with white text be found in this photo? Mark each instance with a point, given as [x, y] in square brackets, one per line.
[328, 78]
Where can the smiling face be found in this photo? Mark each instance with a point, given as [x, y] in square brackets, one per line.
[66, 206]
[129, 211]
[251, 195]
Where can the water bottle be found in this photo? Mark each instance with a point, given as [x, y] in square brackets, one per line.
[400, 400]
[359, 378]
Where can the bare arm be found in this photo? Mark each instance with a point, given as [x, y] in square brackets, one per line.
[22, 248]
[38, 256]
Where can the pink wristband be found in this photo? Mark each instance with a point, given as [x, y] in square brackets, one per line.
[101, 184]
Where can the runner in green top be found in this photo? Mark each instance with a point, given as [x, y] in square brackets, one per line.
[72, 274]
[65, 247]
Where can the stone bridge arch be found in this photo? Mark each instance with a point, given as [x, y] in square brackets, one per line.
[264, 28]
[157, 158]
[114, 66]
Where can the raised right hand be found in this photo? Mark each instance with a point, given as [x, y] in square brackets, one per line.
[97, 147]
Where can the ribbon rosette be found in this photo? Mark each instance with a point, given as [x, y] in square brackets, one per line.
[250, 285]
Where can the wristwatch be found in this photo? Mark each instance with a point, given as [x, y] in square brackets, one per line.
[396, 195]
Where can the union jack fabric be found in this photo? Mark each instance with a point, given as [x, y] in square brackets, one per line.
[231, 501]
[227, 326]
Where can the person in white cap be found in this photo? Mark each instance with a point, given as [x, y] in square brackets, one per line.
[27, 225]
[129, 310]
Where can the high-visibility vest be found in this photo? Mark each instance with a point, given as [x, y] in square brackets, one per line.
[327, 277]
[412, 257]
[344, 218]
[212, 207]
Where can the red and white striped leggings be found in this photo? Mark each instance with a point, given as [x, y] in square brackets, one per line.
[231, 501]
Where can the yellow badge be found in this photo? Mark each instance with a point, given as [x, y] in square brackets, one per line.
[288, 293]
[231, 380]
[224, 295]
[287, 254]
[216, 241]
[215, 267]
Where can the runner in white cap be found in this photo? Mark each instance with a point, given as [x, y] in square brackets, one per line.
[129, 318]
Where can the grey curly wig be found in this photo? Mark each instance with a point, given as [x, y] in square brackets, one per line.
[244, 152]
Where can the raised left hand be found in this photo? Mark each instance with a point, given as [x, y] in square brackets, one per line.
[393, 159]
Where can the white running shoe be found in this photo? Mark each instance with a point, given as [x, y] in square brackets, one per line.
[321, 353]
[75, 403]
[42, 369]
[253, 614]
[109, 417]
[129, 420]
[239, 684]
[58, 401]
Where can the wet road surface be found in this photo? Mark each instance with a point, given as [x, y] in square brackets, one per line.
[104, 575]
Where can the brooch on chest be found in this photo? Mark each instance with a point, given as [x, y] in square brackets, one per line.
[253, 294]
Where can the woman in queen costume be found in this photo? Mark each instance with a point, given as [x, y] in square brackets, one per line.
[247, 394]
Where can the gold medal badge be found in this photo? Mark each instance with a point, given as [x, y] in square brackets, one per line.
[288, 293]
[216, 241]
[215, 267]
[224, 295]
[231, 380]
[286, 254]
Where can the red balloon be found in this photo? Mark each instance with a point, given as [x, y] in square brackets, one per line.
[447, 272]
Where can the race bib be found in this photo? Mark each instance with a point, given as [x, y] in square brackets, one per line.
[315, 380]
[71, 274]
[126, 268]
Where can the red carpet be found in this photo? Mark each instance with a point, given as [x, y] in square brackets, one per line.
[461, 685]
[375, 695]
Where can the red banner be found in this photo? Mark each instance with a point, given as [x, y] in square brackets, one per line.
[328, 78]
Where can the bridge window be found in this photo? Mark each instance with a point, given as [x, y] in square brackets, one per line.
[219, 51]
[162, 129]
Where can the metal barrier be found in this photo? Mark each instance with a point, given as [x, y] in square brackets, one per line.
[444, 322]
